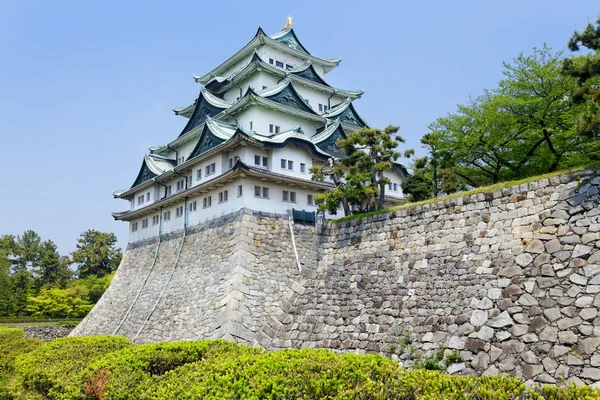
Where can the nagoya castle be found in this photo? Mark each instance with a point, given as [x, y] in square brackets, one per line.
[262, 119]
[222, 218]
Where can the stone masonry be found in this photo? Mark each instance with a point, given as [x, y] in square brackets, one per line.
[510, 279]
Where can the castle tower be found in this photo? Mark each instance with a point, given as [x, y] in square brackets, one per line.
[262, 118]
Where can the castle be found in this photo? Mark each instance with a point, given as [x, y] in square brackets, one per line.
[509, 278]
[262, 119]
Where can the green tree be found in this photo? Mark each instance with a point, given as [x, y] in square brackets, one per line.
[420, 184]
[359, 174]
[6, 286]
[586, 70]
[51, 271]
[96, 253]
[523, 127]
[59, 303]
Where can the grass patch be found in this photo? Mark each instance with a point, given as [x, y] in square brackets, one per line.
[483, 189]
[69, 322]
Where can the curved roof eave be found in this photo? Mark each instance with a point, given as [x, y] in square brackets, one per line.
[252, 97]
[263, 39]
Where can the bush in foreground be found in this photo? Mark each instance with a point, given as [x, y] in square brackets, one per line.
[126, 374]
[111, 368]
[53, 370]
[12, 345]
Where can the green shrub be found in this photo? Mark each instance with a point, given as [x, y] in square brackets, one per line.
[11, 333]
[53, 370]
[289, 374]
[10, 348]
[453, 357]
[127, 373]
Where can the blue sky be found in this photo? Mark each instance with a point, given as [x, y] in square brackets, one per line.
[86, 87]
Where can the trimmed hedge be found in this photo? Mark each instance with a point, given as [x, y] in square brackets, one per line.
[53, 370]
[11, 333]
[113, 368]
[126, 374]
[12, 346]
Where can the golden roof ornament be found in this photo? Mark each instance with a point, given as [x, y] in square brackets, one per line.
[289, 22]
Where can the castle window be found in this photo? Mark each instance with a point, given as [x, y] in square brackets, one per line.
[207, 202]
[210, 169]
[179, 211]
[230, 161]
[145, 223]
[270, 61]
[256, 160]
[288, 66]
[279, 64]
[289, 196]
[134, 226]
[167, 215]
[250, 125]
[168, 191]
[287, 164]
[395, 187]
[181, 184]
[192, 206]
[155, 219]
[264, 87]
[140, 199]
[277, 129]
[390, 185]
[265, 161]
[261, 191]
[148, 196]
[199, 174]
[223, 196]
[303, 168]
[240, 188]
[310, 200]
[270, 128]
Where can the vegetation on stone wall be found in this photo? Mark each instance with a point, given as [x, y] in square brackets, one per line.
[113, 368]
[358, 175]
[543, 116]
[35, 280]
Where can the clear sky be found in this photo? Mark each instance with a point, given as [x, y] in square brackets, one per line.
[86, 87]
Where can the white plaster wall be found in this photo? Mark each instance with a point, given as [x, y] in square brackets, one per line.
[217, 159]
[261, 78]
[262, 117]
[297, 155]
[394, 177]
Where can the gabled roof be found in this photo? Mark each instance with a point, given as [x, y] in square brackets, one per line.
[206, 105]
[346, 113]
[327, 139]
[214, 133]
[284, 93]
[153, 166]
[289, 38]
[217, 133]
[290, 105]
[304, 74]
[307, 71]
[260, 38]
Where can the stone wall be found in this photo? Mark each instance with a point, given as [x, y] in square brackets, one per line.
[46, 333]
[232, 280]
[510, 279]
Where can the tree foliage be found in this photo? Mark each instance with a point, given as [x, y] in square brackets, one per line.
[36, 280]
[96, 253]
[358, 175]
[586, 70]
[523, 127]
